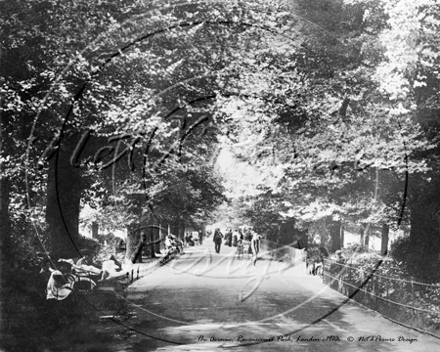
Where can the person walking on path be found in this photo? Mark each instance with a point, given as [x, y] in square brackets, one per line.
[217, 240]
[235, 238]
[248, 239]
[228, 238]
[255, 245]
[240, 249]
[240, 237]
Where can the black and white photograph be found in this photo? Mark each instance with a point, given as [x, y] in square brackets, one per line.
[219, 175]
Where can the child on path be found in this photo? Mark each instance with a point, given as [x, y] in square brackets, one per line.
[240, 249]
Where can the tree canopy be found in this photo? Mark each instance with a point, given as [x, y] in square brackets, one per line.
[124, 109]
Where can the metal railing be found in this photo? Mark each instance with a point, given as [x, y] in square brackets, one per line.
[401, 300]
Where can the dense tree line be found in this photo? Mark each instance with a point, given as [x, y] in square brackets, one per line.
[123, 109]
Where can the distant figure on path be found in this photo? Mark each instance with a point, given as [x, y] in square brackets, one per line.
[189, 240]
[240, 249]
[248, 239]
[255, 245]
[228, 238]
[241, 237]
[217, 240]
[235, 238]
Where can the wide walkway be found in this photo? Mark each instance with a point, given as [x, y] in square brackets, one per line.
[204, 301]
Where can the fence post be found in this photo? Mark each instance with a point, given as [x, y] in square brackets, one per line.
[375, 290]
[412, 296]
[388, 287]
[350, 278]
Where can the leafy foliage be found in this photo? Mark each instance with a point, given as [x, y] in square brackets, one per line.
[332, 104]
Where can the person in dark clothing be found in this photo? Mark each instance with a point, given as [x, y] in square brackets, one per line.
[235, 238]
[217, 240]
[248, 238]
[228, 238]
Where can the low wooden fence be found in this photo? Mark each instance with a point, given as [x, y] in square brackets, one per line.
[404, 301]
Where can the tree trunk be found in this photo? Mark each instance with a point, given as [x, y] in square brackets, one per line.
[423, 226]
[286, 233]
[182, 230]
[64, 186]
[130, 243]
[159, 236]
[137, 253]
[95, 229]
[362, 233]
[335, 235]
[152, 229]
[424, 241]
[384, 239]
[5, 223]
[342, 235]
[367, 237]
[7, 147]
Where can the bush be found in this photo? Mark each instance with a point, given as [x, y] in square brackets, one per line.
[392, 282]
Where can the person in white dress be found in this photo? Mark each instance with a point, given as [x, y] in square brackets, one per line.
[255, 246]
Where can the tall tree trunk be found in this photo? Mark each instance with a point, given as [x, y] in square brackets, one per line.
[5, 188]
[135, 243]
[362, 233]
[5, 223]
[95, 229]
[367, 237]
[384, 239]
[160, 233]
[130, 243]
[425, 242]
[335, 235]
[342, 235]
[137, 253]
[152, 229]
[182, 230]
[64, 186]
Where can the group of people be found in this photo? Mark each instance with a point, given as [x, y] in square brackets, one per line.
[245, 242]
[190, 240]
[70, 275]
[316, 256]
[171, 242]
